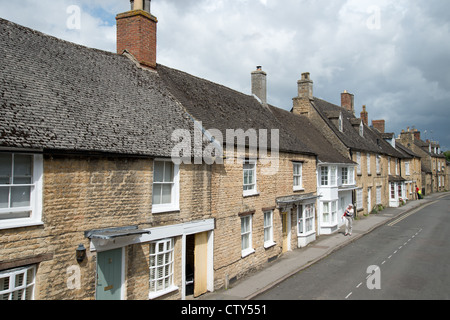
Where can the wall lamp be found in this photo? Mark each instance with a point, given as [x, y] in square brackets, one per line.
[81, 253]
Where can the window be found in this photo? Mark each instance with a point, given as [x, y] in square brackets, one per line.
[246, 235]
[344, 175]
[161, 267]
[20, 190]
[306, 218]
[407, 168]
[378, 195]
[298, 183]
[268, 229]
[378, 164]
[341, 125]
[333, 172]
[165, 187]
[249, 178]
[18, 284]
[361, 130]
[359, 199]
[396, 166]
[392, 191]
[358, 161]
[329, 212]
[324, 176]
[368, 163]
[389, 165]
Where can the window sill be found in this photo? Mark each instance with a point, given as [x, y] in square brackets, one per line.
[298, 189]
[21, 224]
[165, 209]
[161, 293]
[306, 234]
[252, 194]
[247, 252]
[269, 244]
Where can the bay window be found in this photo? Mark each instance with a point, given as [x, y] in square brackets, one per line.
[306, 219]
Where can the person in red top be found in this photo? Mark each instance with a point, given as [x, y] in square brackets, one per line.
[349, 214]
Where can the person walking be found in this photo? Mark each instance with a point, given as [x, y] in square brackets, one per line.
[349, 214]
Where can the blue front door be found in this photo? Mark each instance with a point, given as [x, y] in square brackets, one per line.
[109, 275]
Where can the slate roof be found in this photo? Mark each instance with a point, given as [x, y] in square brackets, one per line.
[372, 141]
[302, 128]
[57, 95]
[222, 108]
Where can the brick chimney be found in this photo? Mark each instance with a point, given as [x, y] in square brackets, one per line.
[259, 84]
[136, 33]
[416, 134]
[302, 103]
[380, 125]
[365, 116]
[348, 101]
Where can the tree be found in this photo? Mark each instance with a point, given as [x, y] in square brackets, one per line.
[447, 155]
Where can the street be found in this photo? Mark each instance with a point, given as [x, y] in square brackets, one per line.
[407, 259]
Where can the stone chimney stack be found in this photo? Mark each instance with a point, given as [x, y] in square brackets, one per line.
[416, 134]
[305, 86]
[365, 116]
[136, 33]
[302, 103]
[348, 101]
[259, 84]
[380, 125]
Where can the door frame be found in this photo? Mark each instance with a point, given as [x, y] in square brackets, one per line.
[122, 276]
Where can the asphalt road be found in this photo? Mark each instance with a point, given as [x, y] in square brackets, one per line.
[408, 259]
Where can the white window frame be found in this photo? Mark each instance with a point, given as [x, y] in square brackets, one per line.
[174, 205]
[298, 174]
[330, 209]
[333, 176]
[358, 162]
[378, 164]
[359, 199]
[306, 219]
[407, 170]
[21, 283]
[268, 229]
[35, 208]
[254, 189]
[161, 268]
[378, 195]
[368, 164]
[324, 176]
[247, 221]
[396, 167]
[389, 165]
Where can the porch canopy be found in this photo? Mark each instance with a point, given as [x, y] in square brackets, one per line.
[283, 202]
[114, 233]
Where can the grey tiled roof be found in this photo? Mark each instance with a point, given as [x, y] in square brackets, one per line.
[222, 108]
[62, 96]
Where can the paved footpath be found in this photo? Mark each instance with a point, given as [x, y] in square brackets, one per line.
[293, 262]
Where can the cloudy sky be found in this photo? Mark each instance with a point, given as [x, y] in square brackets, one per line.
[393, 55]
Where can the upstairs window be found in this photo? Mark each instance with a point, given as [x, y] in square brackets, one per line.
[165, 187]
[249, 183]
[298, 183]
[20, 190]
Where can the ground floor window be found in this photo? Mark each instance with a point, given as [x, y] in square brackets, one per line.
[246, 234]
[378, 195]
[268, 227]
[18, 284]
[392, 191]
[161, 265]
[306, 218]
[329, 212]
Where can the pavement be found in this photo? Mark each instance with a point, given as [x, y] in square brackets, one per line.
[297, 260]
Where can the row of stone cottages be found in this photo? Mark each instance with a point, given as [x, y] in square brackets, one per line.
[93, 207]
